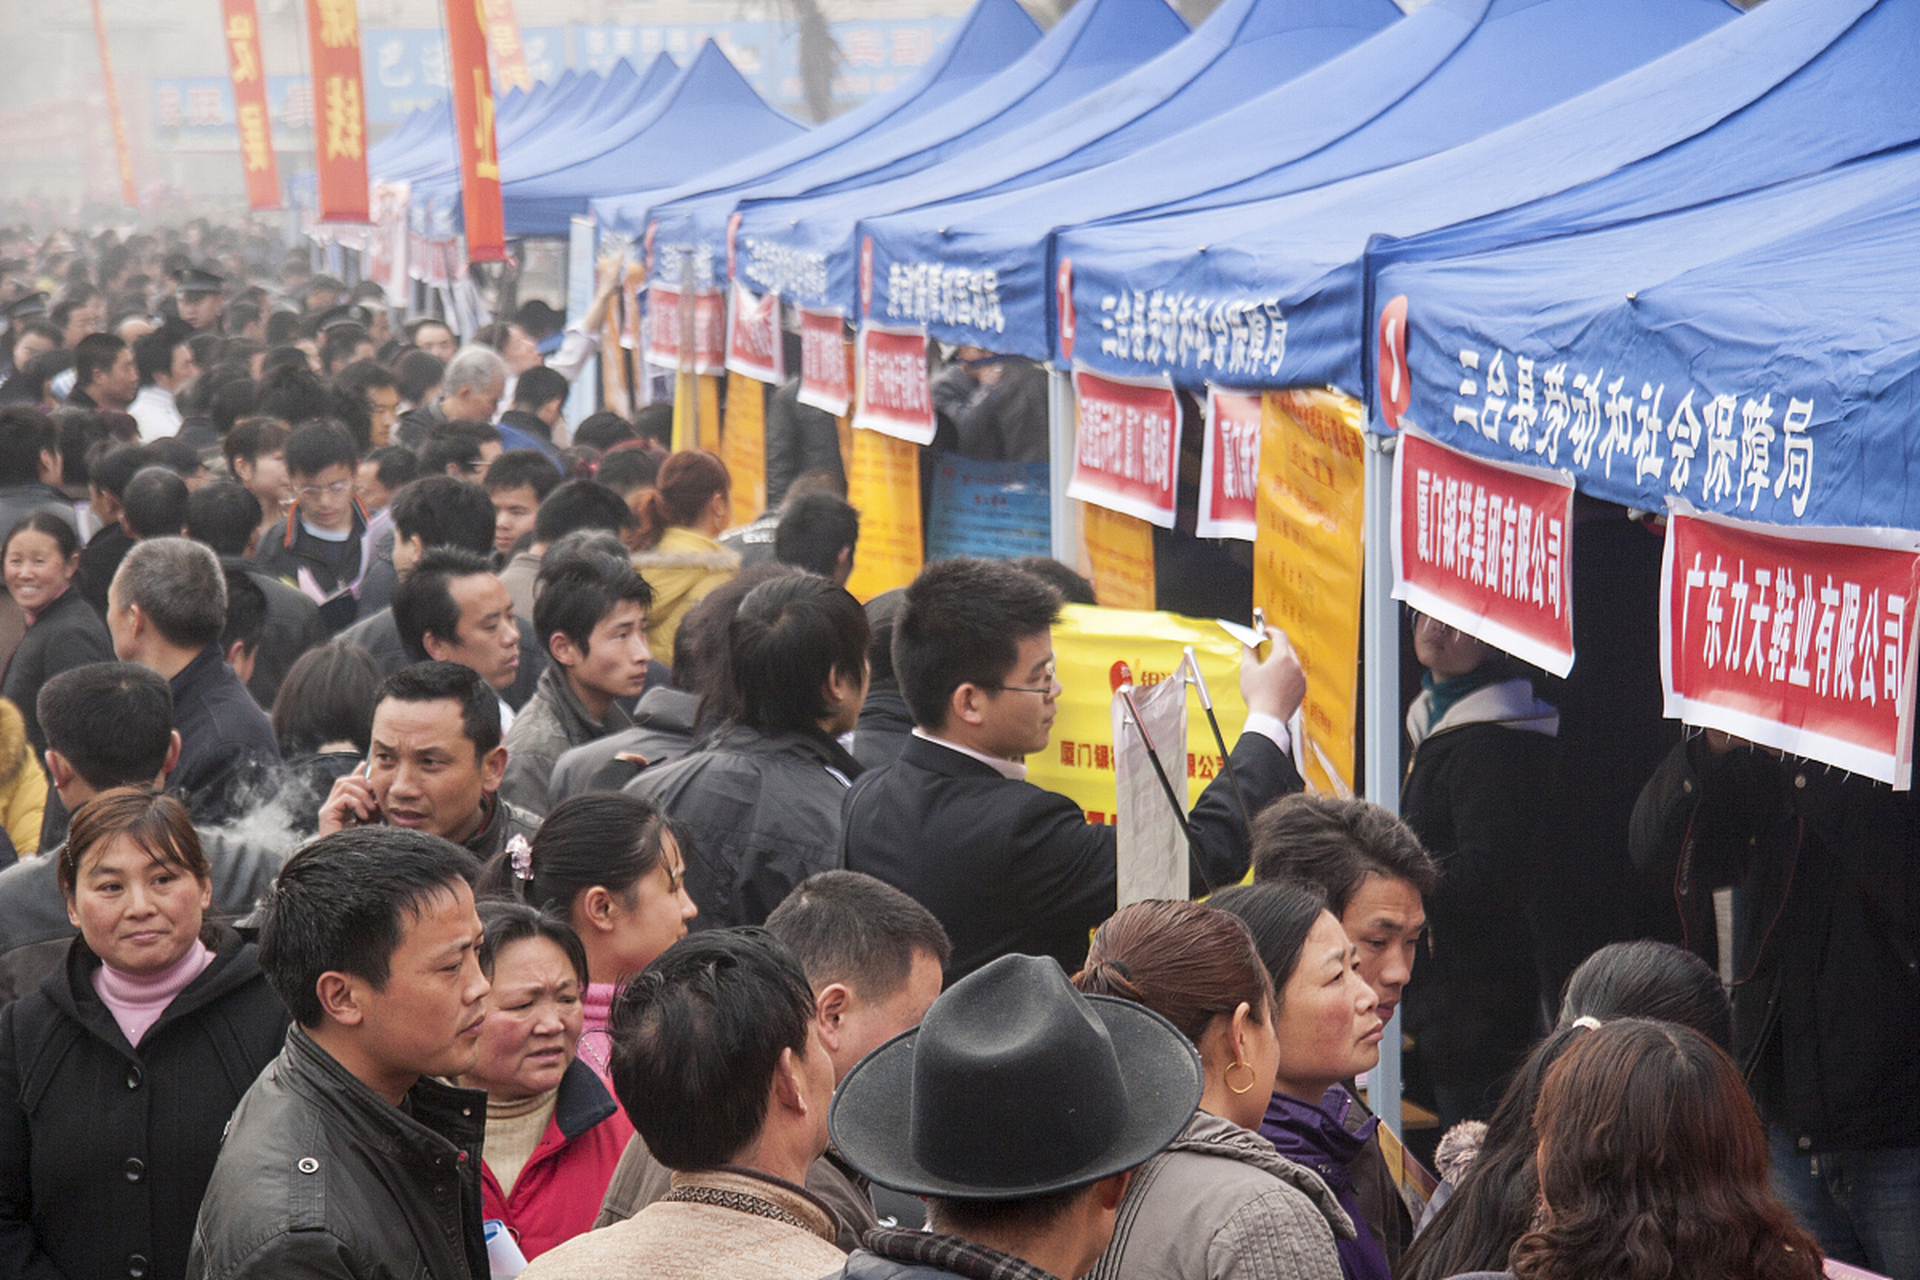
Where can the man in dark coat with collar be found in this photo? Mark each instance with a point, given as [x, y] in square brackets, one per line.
[1005, 866]
[166, 608]
[227, 518]
[435, 765]
[348, 1157]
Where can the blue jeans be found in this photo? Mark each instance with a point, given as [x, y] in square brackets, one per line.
[1862, 1206]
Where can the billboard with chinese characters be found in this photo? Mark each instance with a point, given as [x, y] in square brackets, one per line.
[1485, 548]
[1801, 640]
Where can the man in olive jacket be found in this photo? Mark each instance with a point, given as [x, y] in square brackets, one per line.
[347, 1158]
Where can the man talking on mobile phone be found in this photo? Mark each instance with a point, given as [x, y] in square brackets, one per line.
[435, 764]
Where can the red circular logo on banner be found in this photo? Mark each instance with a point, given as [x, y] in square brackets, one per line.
[1119, 674]
[866, 277]
[1063, 297]
[733, 230]
[1396, 388]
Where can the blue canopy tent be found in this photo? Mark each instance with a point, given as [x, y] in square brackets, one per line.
[1794, 86]
[1797, 294]
[1244, 48]
[708, 116]
[1449, 72]
[993, 34]
[1093, 44]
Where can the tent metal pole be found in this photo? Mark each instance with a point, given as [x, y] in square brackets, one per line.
[1380, 698]
[1064, 516]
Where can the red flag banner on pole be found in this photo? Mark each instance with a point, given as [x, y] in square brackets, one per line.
[473, 118]
[340, 110]
[250, 103]
[123, 153]
[1798, 639]
[509, 55]
[1485, 547]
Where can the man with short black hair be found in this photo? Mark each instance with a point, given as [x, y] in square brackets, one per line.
[104, 374]
[246, 622]
[1024, 1167]
[435, 764]
[108, 724]
[343, 344]
[256, 454]
[154, 504]
[873, 959]
[718, 1061]
[348, 1156]
[451, 608]
[568, 508]
[433, 337]
[818, 533]
[461, 449]
[167, 608]
[1004, 865]
[759, 804]
[164, 363]
[375, 390]
[111, 468]
[320, 547]
[590, 615]
[517, 481]
[29, 466]
[226, 517]
[538, 396]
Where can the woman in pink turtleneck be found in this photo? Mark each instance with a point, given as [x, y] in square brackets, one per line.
[607, 864]
[117, 1076]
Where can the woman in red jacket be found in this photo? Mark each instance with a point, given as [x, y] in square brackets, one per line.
[554, 1133]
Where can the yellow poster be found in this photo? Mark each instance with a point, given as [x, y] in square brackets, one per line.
[1307, 564]
[743, 446]
[691, 390]
[1119, 557]
[883, 484]
[1078, 762]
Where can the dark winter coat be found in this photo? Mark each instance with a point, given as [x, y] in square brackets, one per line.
[553, 721]
[229, 757]
[67, 634]
[106, 1147]
[324, 1179]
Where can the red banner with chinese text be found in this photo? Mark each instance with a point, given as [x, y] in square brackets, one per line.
[826, 373]
[1485, 548]
[339, 109]
[242, 23]
[664, 322]
[1230, 465]
[1126, 450]
[503, 37]
[891, 391]
[1797, 639]
[755, 346]
[480, 206]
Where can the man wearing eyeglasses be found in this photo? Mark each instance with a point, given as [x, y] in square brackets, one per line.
[1005, 866]
[319, 547]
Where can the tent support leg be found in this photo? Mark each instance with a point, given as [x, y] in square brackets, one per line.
[1380, 629]
[1064, 517]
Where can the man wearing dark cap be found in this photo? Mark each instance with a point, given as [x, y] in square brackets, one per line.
[1023, 1166]
[198, 297]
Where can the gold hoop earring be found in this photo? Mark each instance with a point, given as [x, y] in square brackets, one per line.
[1252, 1078]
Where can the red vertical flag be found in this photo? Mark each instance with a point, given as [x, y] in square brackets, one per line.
[250, 103]
[473, 119]
[339, 110]
[503, 36]
[123, 153]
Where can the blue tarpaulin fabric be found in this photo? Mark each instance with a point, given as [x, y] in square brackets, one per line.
[693, 216]
[1244, 48]
[1449, 72]
[1794, 86]
[1758, 356]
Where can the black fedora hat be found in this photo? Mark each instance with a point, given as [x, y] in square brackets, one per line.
[1016, 1085]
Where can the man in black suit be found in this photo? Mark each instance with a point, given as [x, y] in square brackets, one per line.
[1004, 865]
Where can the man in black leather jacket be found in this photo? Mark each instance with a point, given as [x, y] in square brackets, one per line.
[347, 1158]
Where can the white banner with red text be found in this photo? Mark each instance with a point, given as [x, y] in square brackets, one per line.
[1797, 639]
[891, 391]
[826, 381]
[755, 348]
[1230, 465]
[665, 325]
[1126, 453]
[1486, 548]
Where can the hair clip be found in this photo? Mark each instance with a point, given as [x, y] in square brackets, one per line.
[1587, 1022]
[520, 858]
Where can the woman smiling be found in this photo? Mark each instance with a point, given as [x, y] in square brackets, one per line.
[41, 556]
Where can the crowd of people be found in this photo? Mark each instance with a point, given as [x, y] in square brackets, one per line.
[446, 840]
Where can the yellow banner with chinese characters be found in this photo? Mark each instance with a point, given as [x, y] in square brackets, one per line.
[1118, 560]
[1088, 642]
[883, 484]
[743, 446]
[1307, 559]
[702, 431]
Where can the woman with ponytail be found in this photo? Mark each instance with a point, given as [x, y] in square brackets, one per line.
[680, 519]
[1219, 1203]
[607, 864]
